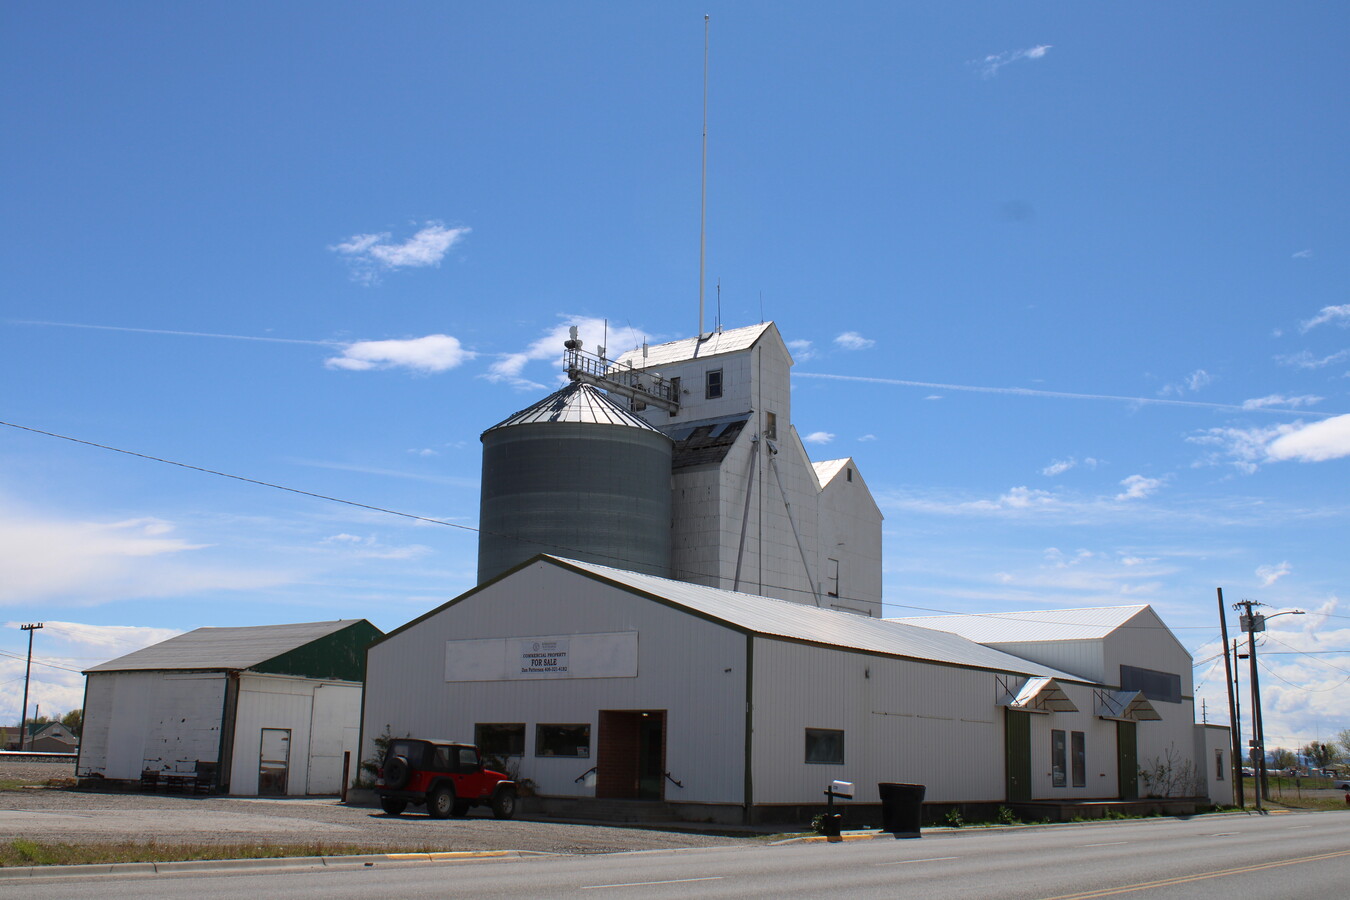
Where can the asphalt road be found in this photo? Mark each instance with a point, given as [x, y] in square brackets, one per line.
[1304, 855]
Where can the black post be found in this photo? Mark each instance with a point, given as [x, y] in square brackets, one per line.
[1232, 706]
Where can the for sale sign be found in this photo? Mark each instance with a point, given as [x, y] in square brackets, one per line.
[543, 658]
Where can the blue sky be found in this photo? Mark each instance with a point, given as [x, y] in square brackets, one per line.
[1068, 281]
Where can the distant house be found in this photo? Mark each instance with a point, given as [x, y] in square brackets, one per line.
[44, 737]
[265, 710]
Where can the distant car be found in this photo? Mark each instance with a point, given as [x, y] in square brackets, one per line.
[1342, 784]
[447, 777]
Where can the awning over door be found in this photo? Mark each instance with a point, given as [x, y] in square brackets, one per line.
[1124, 706]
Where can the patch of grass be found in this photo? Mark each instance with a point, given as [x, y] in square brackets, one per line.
[1326, 803]
[36, 853]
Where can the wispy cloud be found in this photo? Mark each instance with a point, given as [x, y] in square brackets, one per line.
[801, 350]
[1137, 487]
[868, 437]
[1271, 574]
[1281, 400]
[1338, 315]
[1248, 448]
[1303, 254]
[205, 334]
[1059, 467]
[1031, 392]
[433, 353]
[509, 367]
[370, 254]
[990, 65]
[851, 340]
[370, 547]
[1192, 383]
[1306, 360]
[819, 437]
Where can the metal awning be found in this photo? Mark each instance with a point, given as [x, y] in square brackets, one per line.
[1124, 706]
[1043, 695]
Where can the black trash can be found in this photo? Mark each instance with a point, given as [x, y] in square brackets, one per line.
[901, 807]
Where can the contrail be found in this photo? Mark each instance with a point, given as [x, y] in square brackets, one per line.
[231, 337]
[1064, 395]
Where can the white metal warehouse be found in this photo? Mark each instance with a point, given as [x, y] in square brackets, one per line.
[268, 709]
[610, 684]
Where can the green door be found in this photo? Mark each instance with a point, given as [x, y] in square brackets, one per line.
[1127, 761]
[1017, 754]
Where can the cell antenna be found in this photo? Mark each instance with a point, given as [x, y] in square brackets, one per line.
[703, 201]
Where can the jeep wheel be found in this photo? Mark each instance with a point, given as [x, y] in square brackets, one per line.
[396, 771]
[504, 803]
[441, 802]
[393, 806]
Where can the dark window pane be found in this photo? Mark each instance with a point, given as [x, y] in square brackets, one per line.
[1161, 686]
[500, 739]
[1057, 759]
[1079, 759]
[562, 740]
[714, 384]
[824, 746]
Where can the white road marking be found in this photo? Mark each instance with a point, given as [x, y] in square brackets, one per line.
[1107, 844]
[592, 887]
[905, 862]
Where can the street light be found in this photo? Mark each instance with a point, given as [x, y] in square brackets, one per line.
[1252, 623]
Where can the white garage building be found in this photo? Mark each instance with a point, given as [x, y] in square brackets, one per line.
[613, 685]
[269, 709]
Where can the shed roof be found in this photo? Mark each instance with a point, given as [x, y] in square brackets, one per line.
[795, 621]
[1088, 624]
[227, 648]
[577, 403]
[827, 469]
[692, 348]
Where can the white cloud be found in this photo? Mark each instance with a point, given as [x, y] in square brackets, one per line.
[801, 350]
[509, 367]
[371, 547]
[851, 340]
[1305, 360]
[1137, 487]
[1059, 466]
[1192, 383]
[425, 451]
[1338, 315]
[1281, 400]
[369, 254]
[1271, 574]
[433, 353]
[819, 437]
[1017, 498]
[933, 397]
[45, 559]
[990, 65]
[1303, 254]
[868, 437]
[1318, 442]
[1248, 448]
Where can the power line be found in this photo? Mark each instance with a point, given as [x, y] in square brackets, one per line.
[39, 662]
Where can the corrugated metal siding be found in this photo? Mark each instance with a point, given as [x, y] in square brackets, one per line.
[156, 720]
[692, 668]
[98, 701]
[903, 722]
[1032, 625]
[1100, 743]
[270, 701]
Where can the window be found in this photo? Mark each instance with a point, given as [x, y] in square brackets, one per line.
[1218, 764]
[714, 385]
[1161, 686]
[500, 739]
[824, 745]
[562, 740]
[1078, 747]
[850, 473]
[1057, 759]
[468, 760]
[832, 577]
[771, 426]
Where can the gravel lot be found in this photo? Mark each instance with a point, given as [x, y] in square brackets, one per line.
[83, 817]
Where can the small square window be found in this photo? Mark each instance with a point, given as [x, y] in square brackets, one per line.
[562, 740]
[714, 385]
[825, 745]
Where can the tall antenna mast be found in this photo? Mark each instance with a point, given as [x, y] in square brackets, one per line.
[703, 202]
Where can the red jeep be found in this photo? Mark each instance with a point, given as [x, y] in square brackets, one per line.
[448, 777]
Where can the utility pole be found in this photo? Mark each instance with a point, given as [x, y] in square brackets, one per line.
[1236, 688]
[23, 721]
[1233, 721]
[1252, 623]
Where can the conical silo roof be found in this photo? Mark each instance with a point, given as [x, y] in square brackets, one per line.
[577, 403]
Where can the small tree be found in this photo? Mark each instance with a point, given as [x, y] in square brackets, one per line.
[1321, 753]
[1343, 739]
[1170, 775]
[1281, 758]
[74, 721]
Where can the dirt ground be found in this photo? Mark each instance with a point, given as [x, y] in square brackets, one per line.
[84, 817]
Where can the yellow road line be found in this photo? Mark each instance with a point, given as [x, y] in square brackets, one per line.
[449, 854]
[1201, 876]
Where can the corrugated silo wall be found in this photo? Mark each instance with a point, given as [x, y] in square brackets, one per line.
[597, 493]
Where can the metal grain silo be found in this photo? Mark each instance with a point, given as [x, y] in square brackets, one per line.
[575, 475]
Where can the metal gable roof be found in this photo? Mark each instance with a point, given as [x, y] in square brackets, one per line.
[577, 403]
[692, 348]
[828, 468]
[1089, 624]
[223, 648]
[795, 621]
